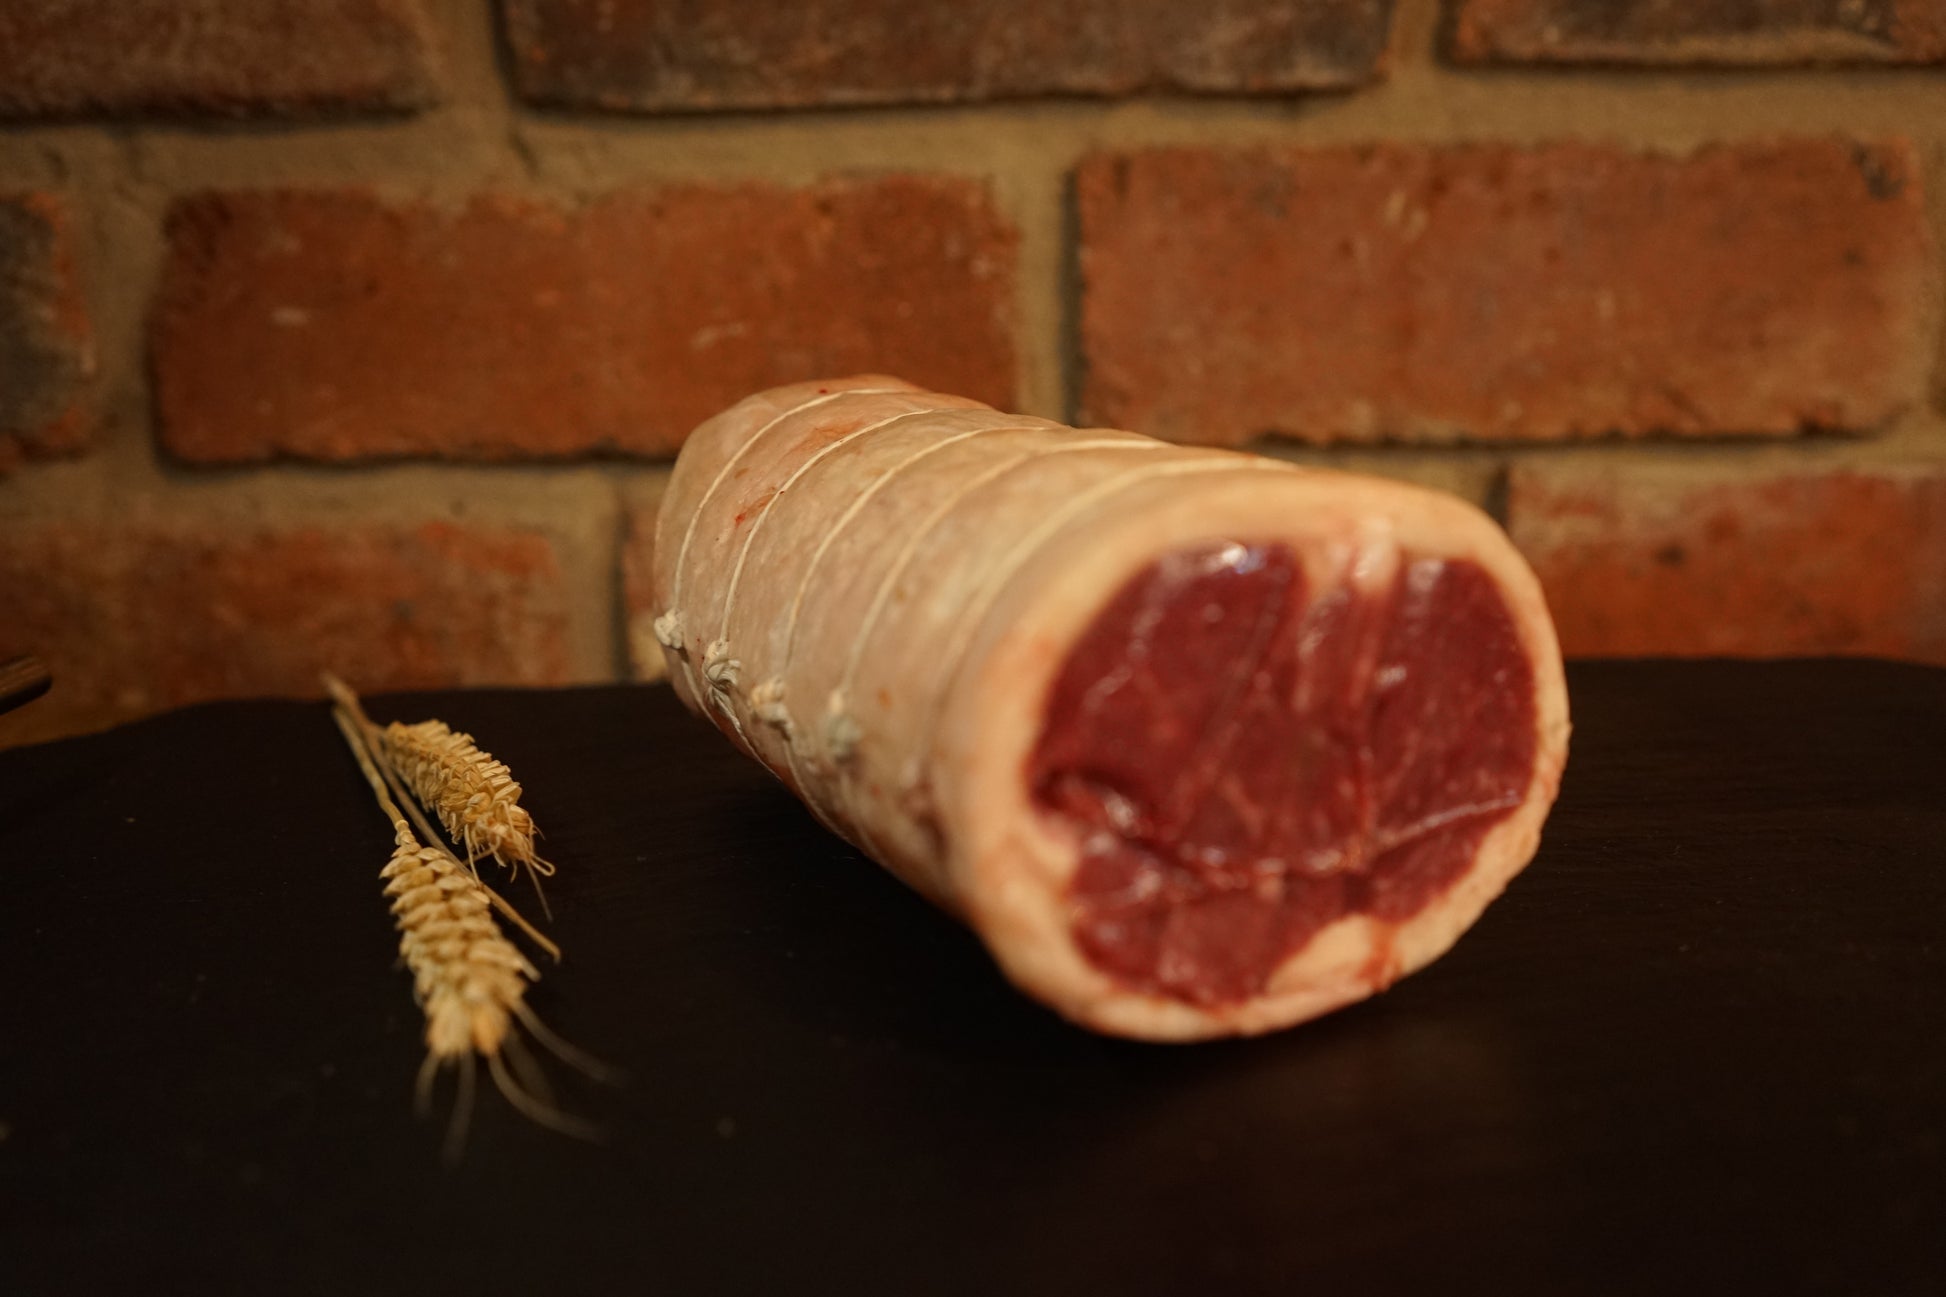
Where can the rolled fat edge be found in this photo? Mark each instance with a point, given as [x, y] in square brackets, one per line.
[1005, 865]
[1010, 864]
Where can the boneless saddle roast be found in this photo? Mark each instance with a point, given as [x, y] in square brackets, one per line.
[1200, 743]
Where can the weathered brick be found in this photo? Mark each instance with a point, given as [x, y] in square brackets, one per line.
[1650, 561]
[1499, 292]
[1705, 32]
[46, 347]
[698, 55]
[638, 558]
[71, 58]
[331, 325]
[141, 616]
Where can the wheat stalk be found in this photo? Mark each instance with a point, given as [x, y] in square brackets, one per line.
[469, 979]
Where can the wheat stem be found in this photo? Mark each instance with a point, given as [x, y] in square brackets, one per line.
[373, 742]
[341, 693]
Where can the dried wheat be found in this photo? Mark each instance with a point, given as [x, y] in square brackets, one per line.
[474, 796]
[466, 974]
[468, 978]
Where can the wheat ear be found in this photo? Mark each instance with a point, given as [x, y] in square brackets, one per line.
[469, 979]
[475, 796]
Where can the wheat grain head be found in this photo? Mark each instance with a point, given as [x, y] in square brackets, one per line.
[474, 796]
[468, 978]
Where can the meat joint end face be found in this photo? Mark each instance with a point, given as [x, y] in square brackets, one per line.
[1245, 760]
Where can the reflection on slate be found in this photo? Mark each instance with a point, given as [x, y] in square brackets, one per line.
[1697, 1047]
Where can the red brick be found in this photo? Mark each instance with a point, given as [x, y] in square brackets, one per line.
[638, 597]
[1705, 32]
[74, 58]
[1660, 562]
[137, 617]
[330, 325]
[47, 356]
[1567, 290]
[698, 55]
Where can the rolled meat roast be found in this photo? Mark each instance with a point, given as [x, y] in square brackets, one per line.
[1200, 743]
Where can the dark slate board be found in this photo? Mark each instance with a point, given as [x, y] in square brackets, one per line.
[1700, 1046]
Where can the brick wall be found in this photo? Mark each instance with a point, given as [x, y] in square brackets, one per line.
[359, 332]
